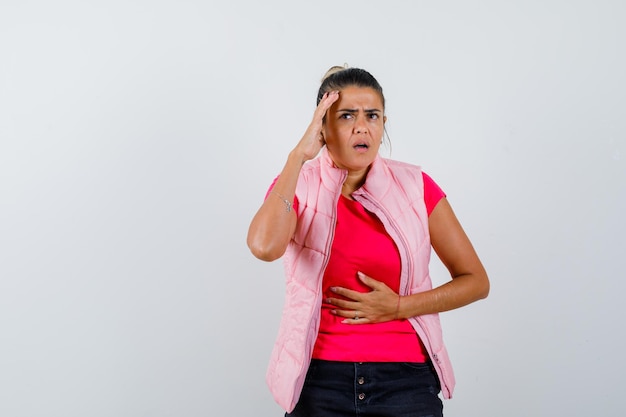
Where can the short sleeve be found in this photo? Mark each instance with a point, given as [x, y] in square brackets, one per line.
[432, 193]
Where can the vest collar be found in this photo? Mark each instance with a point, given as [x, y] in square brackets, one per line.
[377, 182]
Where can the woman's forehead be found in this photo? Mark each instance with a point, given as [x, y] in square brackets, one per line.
[359, 95]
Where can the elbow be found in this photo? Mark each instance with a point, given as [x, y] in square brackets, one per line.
[265, 252]
[484, 288]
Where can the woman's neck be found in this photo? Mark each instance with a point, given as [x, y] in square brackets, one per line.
[353, 182]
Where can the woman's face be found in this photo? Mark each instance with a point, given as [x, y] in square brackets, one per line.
[354, 128]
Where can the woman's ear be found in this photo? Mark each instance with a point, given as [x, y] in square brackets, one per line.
[384, 119]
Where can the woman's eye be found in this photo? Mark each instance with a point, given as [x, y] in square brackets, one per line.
[346, 116]
[373, 116]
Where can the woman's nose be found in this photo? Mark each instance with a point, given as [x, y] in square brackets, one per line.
[359, 125]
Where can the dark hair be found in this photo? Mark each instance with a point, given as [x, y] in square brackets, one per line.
[338, 78]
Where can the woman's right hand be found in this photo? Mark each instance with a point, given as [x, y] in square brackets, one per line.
[313, 140]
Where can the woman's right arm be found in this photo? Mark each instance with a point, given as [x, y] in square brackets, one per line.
[274, 223]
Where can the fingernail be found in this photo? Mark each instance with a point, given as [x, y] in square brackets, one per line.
[333, 289]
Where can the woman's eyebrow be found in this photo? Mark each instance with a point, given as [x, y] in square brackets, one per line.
[356, 110]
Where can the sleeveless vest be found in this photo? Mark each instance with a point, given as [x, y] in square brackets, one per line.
[394, 192]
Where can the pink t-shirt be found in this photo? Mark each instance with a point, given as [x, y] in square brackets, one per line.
[362, 244]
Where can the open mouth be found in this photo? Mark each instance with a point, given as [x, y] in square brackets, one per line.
[361, 146]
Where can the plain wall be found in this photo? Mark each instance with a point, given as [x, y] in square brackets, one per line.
[138, 138]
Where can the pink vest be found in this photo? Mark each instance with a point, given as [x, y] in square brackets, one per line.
[393, 191]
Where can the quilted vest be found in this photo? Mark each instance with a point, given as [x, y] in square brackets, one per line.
[394, 192]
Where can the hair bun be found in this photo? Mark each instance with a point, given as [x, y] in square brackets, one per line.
[335, 69]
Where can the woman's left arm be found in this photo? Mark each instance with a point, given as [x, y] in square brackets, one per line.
[469, 279]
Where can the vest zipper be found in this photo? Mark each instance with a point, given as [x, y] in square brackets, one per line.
[368, 200]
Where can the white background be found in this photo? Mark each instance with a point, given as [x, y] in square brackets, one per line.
[138, 138]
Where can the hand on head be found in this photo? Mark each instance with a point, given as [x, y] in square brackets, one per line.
[313, 140]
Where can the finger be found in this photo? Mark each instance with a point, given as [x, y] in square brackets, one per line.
[356, 320]
[351, 316]
[327, 100]
[371, 282]
[351, 294]
[345, 304]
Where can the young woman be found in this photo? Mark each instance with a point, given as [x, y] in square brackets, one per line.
[360, 332]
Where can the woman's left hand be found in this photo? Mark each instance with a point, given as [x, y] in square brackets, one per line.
[379, 305]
